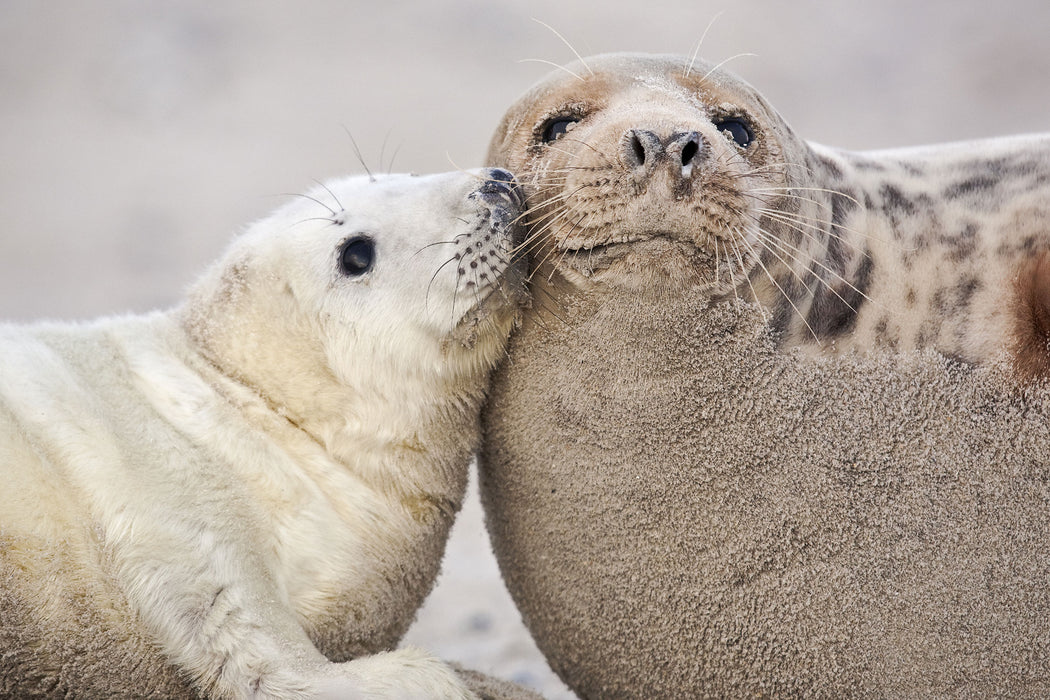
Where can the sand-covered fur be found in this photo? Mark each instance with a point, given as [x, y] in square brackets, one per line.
[237, 497]
[682, 510]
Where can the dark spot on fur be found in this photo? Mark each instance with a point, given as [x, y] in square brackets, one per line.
[965, 244]
[882, 326]
[910, 298]
[830, 167]
[973, 185]
[895, 201]
[956, 299]
[781, 316]
[912, 169]
[834, 310]
[866, 164]
[836, 255]
[927, 334]
[965, 290]
[842, 205]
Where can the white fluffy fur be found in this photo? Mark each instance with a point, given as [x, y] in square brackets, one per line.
[262, 479]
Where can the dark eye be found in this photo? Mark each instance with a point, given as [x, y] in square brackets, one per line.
[558, 127]
[357, 256]
[737, 130]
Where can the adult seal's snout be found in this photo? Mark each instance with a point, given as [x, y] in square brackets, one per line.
[644, 151]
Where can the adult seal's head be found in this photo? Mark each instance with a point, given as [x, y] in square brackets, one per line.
[660, 172]
[649, 169]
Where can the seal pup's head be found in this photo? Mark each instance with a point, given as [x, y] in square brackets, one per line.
[398, 289]
[644, 170]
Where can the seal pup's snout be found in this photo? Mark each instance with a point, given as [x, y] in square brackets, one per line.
[500, 182]
[506, 201]
[643, 151]
[490, 265]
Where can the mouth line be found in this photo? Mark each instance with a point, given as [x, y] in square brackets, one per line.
[579, 246]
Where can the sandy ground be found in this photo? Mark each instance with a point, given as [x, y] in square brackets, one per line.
[137, 137]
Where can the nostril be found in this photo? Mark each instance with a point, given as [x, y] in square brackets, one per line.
[690, 150]
[643, 148]
[638, 148]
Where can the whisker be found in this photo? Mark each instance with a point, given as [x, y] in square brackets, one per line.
[315, 200]
[768, 238]
[747, 277]
[729, 266]
[601, 154]
[806, 227]
[719, 65]
[426, 298]
[357, 152]
[393, 157]
[331, 222]
[795, 252]
[437, 243]
[809, 189]
[552, 63]
[571, 48]
[758, 260]
[762, 198]
[332, 195]
[699, 44]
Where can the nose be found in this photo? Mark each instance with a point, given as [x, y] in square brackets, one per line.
[501, 182]
[644, 150]
[501, 175]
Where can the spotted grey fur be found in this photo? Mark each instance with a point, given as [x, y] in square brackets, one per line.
[912, 248]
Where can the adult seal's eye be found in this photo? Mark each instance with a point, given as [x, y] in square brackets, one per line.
[737, 130]
[556, 128]
[357, 256]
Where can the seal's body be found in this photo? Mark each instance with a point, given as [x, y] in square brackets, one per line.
[226, 498]
[639, 166]
[694, 497]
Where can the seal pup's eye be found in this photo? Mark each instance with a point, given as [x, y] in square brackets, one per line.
[356, 256]
[558, 127]
[737, 130]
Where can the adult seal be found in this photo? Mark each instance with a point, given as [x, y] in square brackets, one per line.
[640, 167]
[762, 433]
[249, 495]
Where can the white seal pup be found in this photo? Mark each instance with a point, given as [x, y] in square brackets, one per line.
[639, 166]
[249, 495]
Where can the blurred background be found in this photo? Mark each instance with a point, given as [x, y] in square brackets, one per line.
[136, 137]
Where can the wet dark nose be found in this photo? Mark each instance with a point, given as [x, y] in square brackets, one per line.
[501, 175]
[644, 151]
[502, 182]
